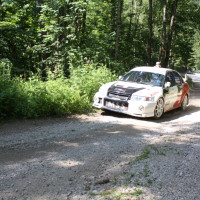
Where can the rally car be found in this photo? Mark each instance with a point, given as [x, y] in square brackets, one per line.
[144, 92]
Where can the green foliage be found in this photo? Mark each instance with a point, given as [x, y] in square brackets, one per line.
[43, 35]
[53, 97]
[196, 49]
[5, 68]
[89, 78]
[147, 152]
[61, 96]
[8, 96]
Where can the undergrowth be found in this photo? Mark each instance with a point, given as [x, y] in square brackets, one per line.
[61, 96]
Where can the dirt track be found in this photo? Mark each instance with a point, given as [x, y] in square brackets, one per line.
[101, 156]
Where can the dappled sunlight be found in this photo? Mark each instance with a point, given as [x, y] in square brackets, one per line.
[115, 132]
[68, 163]
[9, 194]
[123, 192]
[13, 166]
[128, 157]
[96, 143]
[67, 144]
[14, 170]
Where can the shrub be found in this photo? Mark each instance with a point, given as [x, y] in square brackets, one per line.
[89, 78]
[36, 98]
[8, 96]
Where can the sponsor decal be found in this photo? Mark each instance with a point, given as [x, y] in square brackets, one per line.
[153, 94]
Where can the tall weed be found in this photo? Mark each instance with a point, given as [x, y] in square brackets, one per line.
[89, 78]
[61, 96]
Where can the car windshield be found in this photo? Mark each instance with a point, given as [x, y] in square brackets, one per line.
[142, 77]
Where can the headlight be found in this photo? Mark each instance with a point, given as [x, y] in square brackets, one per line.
[141, 98]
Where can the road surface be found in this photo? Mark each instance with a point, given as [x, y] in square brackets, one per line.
[103, 156]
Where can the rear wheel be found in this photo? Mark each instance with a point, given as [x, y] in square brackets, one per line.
[159, 109]
[184, 102]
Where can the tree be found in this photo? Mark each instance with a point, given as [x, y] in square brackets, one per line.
[170, 33]
[149, 48]
[49, 36]
[164, 34]
[118, 27]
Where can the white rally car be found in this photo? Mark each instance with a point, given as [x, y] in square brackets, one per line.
[144, 92]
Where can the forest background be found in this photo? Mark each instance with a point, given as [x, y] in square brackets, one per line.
[55, 54]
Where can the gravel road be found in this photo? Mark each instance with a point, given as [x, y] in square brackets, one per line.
[103, 157]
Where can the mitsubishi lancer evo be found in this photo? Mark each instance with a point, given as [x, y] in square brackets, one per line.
[144, 92]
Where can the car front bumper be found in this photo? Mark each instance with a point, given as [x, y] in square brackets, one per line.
[133, 108]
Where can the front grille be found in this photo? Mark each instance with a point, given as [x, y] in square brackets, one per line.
[118, 96]
[116, 105]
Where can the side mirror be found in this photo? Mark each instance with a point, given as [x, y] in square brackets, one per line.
[167, 84]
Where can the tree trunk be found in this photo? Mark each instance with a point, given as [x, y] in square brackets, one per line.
[164, 34]
[170, 34]
[84, 17]
[150, 21]
[42, 54]
[131, 20]
[64, 42]
[118, 28]
[113, 25]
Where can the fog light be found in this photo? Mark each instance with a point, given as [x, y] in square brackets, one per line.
[141, 108]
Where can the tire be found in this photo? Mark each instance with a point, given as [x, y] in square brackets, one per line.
[184, 103]
[159, 109]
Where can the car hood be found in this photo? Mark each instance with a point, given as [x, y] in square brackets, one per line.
[128, 88]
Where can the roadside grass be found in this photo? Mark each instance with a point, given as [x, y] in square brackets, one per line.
[146, 172]
[140, 173]
[128, 177]
[145, 154]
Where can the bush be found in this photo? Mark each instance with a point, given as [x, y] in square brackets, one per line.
[8, 96]
[89, 78]
[36, 98]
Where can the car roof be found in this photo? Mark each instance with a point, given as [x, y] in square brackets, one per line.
[152, 69]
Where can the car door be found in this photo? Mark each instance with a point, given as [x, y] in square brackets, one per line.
[170, 93]
[179, 83]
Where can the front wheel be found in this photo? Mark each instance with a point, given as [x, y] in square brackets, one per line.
[159, 109]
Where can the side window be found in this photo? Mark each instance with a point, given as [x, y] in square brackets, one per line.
[170, 78]
[178, 78]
